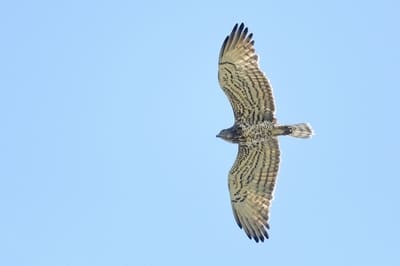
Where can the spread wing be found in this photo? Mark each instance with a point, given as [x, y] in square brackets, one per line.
[251, 185]
[240, 77]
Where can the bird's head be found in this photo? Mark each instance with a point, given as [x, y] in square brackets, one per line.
[229, 135]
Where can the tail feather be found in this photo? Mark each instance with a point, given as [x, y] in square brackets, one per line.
[302, 130]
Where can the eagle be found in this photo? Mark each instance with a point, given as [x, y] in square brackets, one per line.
[253, 176]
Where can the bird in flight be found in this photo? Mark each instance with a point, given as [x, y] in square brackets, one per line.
[253, 176]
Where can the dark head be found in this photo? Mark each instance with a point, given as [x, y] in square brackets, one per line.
[229, 134]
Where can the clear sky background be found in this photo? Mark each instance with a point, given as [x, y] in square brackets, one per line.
[109, 111]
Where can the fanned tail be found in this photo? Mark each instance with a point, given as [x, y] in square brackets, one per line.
[302, 130]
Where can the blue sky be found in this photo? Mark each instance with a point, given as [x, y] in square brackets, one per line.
[109, 111]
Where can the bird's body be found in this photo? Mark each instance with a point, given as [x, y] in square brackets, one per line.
[247, 134]
[253, 176]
